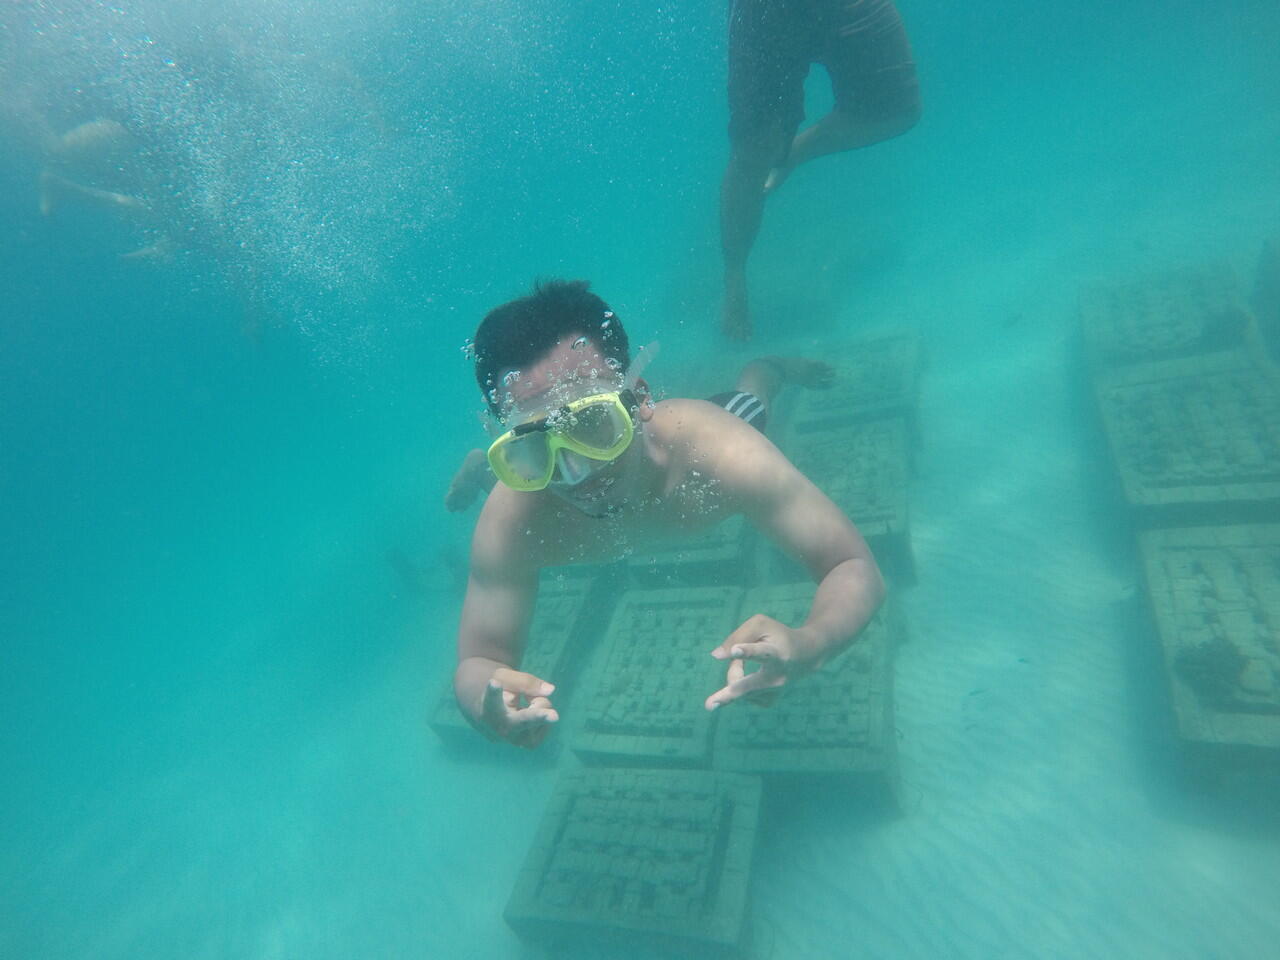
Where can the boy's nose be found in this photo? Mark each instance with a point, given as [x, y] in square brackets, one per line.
[572, 468]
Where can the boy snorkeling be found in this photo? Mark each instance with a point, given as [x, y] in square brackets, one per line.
[758, 384]
[589, 467]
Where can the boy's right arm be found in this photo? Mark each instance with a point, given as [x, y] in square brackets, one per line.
[499, 700]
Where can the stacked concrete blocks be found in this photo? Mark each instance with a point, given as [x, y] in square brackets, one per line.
[1215, 595]
[836, 722]
[650, 681]
[1178, 313]
[659, 857]
[1191, 409]
[1195, 439]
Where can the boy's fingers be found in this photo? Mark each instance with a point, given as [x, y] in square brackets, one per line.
[493, 708]
[753, 629]
[540, 708]
[759, 650]
[760, 680]
[526, 683]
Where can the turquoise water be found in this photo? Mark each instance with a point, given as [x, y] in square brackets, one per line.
[215, 683]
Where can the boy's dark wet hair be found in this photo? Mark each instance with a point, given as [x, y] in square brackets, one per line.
[523, 331]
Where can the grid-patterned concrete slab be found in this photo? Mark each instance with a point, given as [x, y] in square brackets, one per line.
[837, 721]
[663, 857]
[1195, 439]
[649, 683]
[1175, 313]
[1215, 594]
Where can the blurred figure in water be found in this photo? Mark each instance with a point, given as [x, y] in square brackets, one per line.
[758, 384]
[102, 165]
[772, 44]
[99, 164]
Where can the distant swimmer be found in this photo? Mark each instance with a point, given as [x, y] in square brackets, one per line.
[97, 164]
[94, 138]
[590, 467]
[759, 382]
[91, 151]
[772, 44]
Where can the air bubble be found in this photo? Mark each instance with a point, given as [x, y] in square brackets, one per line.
[469, 349]
[511, 377]
[579, 343]
[613, 363]
[608, 314]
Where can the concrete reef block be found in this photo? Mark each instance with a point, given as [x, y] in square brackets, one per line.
[648, 685]
[654, 858]
[1176, 313]
[837, 722]
[1215, 598]
[1195, 440]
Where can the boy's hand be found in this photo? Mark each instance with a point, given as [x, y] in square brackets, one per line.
[780, 651]
[515, 708]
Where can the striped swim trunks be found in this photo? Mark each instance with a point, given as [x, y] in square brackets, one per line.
[747, 407]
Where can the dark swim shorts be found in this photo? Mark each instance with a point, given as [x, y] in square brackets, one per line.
[747, 407]
[772, 43]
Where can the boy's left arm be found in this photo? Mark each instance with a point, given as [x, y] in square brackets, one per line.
[802, 520]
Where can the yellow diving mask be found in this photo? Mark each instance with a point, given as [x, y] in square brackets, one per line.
[599, 427]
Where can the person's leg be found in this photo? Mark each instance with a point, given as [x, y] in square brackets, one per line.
[742, 194]
[765, 377]
[52, 183]
[873, 77]
[769, 52]
[838, 132]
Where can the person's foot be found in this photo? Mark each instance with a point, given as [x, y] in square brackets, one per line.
[777, 176]
[735, 318]
[803, 372]
[466, 484]
[462, 494]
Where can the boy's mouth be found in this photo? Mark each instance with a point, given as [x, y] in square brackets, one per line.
[592, 491]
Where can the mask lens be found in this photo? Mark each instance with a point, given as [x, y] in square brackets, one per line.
[527, 458]
[599, 426]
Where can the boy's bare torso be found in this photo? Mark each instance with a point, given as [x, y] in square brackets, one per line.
[681, 490]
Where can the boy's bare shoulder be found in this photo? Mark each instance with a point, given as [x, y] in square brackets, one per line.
[689, 420]
[703, 435]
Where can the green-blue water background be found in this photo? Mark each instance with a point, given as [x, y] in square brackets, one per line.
[214, 683]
